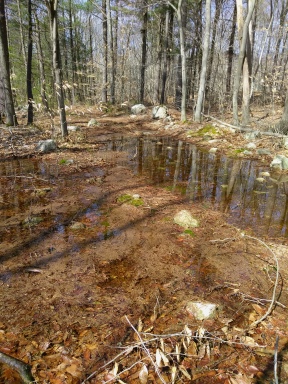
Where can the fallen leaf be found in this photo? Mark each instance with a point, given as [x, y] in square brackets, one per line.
[143, 375]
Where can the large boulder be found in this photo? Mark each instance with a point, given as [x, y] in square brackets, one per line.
[159, 112]
[137, 109]
[46, 146]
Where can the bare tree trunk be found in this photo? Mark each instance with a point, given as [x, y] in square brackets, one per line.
[6, 98]
[57, 69]
[105, 54]
[157, 97]
[112, 54]
[231, 51]
[283, 124]
[29, 66]
[41, 66]
[183, 61]
[241, 68]
[144, 50]
[21, 32]
[200, 99]
[218, 5]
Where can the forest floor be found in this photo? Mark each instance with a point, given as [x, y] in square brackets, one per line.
[101, 295]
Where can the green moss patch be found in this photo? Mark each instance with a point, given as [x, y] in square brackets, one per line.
[136, 201]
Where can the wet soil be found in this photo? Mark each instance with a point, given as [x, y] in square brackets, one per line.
[81, 267]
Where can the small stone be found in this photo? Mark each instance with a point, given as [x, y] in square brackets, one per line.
[200, 310]
[185, 219]
[159, 112]
[46, 146]
[260, 179]
[251, 135]
[93, 123]
[213, 150]
[137, 109]
[247, 153]
[263, 151]
[264, 174]
[73, 128]
[250, 146]
[77, 225]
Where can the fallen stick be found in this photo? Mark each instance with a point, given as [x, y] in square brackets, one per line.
[23, 369]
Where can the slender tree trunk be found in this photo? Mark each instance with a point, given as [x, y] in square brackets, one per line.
[21, 33]
[41, 65]
[57, 69]
[183, 61]
[144, 50]
[112, 55]
[73, 54]
[218, 5]
[231, 51]
[29, 66]
[201, 91]
[6, 98]
[105, 54]
[156, 97]
[242, 54]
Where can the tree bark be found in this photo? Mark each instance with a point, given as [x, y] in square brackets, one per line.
[105, 53]
[6, 98]
[242, 54]
[231, 51]
[29, 66]
[201, 91]
[57, 69]
[144, 50]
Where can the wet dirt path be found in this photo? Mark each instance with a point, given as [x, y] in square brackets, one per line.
[69, 280]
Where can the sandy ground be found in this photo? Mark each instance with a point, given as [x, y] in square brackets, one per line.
[78, 286]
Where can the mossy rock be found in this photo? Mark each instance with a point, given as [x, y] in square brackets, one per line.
[132, 200]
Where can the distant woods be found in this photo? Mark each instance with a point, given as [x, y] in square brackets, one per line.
[201, 56]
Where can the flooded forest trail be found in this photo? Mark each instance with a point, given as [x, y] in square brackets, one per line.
[91, 256]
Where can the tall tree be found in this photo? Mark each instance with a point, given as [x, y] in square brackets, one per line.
[6, 98]
[243, 64]
[105, 53]
[52, 6]
[202, 82]
[29, 65]
[144, 50]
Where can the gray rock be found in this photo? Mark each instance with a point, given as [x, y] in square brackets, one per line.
[46, 146]
[137, 109]
[185, 219]
[200, 310]
[247, 153]
[73, 128]
[279, 162]
[213, 150]
[285, 142]
[263, 151]
[92, 123]
[159, 112]
[251, 135]
[77, 225]
[250, 146]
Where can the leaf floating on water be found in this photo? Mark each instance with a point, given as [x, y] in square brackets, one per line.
[143, 375]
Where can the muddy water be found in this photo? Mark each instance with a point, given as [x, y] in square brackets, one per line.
[233, 186]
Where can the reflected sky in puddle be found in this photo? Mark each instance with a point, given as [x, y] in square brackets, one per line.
[221, 183]
[233, 186]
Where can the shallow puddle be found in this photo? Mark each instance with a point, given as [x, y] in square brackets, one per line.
[236, 187]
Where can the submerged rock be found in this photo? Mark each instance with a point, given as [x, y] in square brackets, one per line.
[137, 109]
[200, 310]
[46, 146]
[185, 219]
